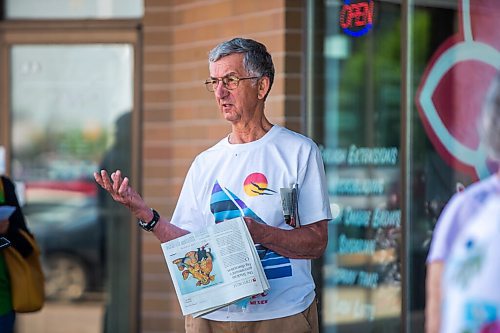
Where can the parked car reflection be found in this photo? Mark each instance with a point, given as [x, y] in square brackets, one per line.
[66, 225]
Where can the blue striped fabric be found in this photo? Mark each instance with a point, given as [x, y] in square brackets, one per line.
[225, 207]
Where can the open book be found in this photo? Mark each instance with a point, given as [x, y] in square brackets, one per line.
[214, 267]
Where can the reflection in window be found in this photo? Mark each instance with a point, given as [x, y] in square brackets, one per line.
[361, 151]
[81, 9]
[71, 115]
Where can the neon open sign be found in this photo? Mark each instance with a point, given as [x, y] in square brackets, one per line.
[356, 19]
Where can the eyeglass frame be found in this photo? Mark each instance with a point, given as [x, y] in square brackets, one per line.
[209, 83]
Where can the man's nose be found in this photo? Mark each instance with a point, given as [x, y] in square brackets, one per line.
[221, 91]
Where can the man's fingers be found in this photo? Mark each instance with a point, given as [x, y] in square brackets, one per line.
[114, 183]
[248, 219]
[117, 180]
[105, 180]
[117, 176]
[123, 187]
[98, 178]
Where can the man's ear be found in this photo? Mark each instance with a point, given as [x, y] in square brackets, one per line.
[264, 85]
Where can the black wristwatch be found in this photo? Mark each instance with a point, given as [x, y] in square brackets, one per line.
[148, 226]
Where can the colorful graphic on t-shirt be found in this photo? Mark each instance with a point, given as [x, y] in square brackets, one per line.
[256, 184]
[462, 270]
[225, 205]
[481, 317]
[470, 279]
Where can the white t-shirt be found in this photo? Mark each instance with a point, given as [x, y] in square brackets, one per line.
[230, 180]
[471, 288]
[458, 212]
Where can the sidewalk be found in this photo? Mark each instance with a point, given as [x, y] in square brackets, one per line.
[85, 317]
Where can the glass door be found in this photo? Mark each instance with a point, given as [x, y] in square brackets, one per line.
[358, 124]
[72, 109]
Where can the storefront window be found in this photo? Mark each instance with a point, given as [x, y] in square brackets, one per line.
[452, 59]
[361, 149]
[454, 63]
[431, 178]
[79, 9]
[455, 57]
[71, 116]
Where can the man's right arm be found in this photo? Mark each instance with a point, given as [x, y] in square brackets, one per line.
[119, 189]
[166, 231]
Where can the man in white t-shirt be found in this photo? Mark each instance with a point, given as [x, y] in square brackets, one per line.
[242, 176]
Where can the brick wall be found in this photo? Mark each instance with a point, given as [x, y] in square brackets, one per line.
[180, 118]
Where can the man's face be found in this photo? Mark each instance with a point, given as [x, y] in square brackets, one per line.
[241, 103]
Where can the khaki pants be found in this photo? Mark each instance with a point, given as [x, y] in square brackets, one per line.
[303, 322]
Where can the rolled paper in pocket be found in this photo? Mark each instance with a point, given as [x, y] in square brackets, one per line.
[295, 207]
[287, 205]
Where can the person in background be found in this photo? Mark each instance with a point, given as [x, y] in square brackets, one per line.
[10, 230]
[455, 262]
[242, 175]
[112, 229]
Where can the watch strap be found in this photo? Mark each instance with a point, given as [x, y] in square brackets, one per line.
[148, 226]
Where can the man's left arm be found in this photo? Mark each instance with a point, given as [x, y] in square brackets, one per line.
[307, 242]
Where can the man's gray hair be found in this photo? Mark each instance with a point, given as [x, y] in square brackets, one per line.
[490, 119]
[256, 60]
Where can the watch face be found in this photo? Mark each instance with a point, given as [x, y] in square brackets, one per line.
[148, 226]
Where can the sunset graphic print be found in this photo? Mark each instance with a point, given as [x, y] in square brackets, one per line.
[256, 184]
[225, 205]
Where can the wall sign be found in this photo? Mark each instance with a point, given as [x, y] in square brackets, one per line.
[356, 17]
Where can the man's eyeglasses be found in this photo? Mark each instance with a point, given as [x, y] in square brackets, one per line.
[230, 82]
